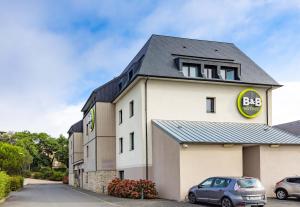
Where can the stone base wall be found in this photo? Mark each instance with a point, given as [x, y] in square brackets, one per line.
[71, 179]
[98, 181]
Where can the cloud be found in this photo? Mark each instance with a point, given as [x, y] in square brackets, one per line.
[53, 55]
[286, 103]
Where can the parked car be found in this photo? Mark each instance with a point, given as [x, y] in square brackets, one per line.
[229, 192]
[288, 187]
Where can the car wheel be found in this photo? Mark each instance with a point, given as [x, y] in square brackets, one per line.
[226, 202]
[192, 198]
[281, 194]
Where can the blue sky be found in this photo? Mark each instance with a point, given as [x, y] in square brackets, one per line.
[53, 54]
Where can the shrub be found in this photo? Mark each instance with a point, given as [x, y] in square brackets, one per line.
[37, 175]
[4, 185]
[132, 188]
[16, 183]
[56, 176]
[66, 179]
[26, 174]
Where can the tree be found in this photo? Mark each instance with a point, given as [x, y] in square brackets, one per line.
[13, 159]
[62, 153]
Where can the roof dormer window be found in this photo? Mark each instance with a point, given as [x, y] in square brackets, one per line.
[210, 71]
[191, 70]
[228, 73]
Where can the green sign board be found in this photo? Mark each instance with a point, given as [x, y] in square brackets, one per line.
[91, 121]
[249, 103]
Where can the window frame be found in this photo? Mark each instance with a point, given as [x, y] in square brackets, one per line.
[212, 105]
[121, 145]
[131, 108]
[120, 116]
[131, 141]
[188, 66]
[121, 174]
[87, 151]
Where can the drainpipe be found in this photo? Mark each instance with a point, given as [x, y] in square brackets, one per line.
[146, 130]
[267, 103]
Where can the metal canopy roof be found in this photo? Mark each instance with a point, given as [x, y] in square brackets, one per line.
[291, 127]
[225, 132]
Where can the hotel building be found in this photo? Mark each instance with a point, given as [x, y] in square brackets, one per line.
[181, 111]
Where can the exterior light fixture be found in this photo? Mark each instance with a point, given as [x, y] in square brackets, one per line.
[274, 145]
[185, 146]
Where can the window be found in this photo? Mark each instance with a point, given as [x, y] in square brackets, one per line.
[228, 73]
[131, 108]
[293, 180]
[120, 117]
[120, 86]
[131, 137]
[130, 74]
[87, 129]
[190, 71]
[121, 145]
[210, 71]
[87, 151]
[221, 183]
[87, 178]
[210, 105]
[121, 174]
[207, 183]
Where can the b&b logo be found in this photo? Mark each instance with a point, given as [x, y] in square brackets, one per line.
[249, 103]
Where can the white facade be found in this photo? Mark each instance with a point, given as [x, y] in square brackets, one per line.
[175, 100]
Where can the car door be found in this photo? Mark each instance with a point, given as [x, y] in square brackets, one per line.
[202, 190]
[216, 192]
[293, 186]
[297, 187]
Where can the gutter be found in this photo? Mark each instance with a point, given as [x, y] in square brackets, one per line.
[267, 104]
[146, 129]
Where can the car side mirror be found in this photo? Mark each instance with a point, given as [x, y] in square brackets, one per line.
[200, 186]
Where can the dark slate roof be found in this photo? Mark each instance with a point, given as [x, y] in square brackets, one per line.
[291, 127]
[157, 59]
[225, 133]
[77, 127]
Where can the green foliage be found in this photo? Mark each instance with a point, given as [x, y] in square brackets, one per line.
[43, 148]
[13, 159]
[56, 176]
[4, 185]
[16, 183]
[26, 174]
[49, 174]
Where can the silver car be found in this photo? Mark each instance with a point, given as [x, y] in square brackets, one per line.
[288, 187]
[229, 192]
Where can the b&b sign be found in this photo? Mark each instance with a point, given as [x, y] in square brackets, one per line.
[249, 103]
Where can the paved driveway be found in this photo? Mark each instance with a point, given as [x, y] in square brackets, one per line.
[59, 195]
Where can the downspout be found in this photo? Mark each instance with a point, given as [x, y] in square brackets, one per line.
[146, 130]
[267, 103]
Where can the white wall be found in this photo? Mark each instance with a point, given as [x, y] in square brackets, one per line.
[175, 100]
[135, 158]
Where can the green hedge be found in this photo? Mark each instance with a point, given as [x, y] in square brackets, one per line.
[16, 182]
[4, 185]
[49, 174]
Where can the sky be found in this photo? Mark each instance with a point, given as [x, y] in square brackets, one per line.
[54, 53]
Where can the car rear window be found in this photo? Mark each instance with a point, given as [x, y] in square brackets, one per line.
[293, 180]
[249, 183]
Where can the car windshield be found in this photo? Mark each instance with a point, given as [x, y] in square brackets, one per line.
[249, 183]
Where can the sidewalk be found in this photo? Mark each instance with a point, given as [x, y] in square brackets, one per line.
[31, 181]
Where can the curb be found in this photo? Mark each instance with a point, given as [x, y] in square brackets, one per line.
[4, 199]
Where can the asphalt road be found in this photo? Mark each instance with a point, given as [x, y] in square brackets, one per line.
[59, 195]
